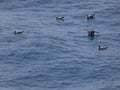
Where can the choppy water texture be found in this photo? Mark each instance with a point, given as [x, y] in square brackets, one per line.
[58, 55]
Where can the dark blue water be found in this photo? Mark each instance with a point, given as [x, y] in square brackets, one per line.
[58, 55]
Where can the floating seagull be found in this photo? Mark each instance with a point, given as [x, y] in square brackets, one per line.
[102, 48]
[60, 18]
[18, 32]
[91, 33]
[91, 16]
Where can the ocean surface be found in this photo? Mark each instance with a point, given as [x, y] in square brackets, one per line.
[58, 55]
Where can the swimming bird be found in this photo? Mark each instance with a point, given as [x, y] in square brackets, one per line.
[91, 16]
[102, 48]
[60, 18]
[91, 33]
[18, 32]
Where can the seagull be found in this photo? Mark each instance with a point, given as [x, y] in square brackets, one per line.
[102, 48]
[91, 16]
[18, 32]
[60, 18]
[91, 33]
